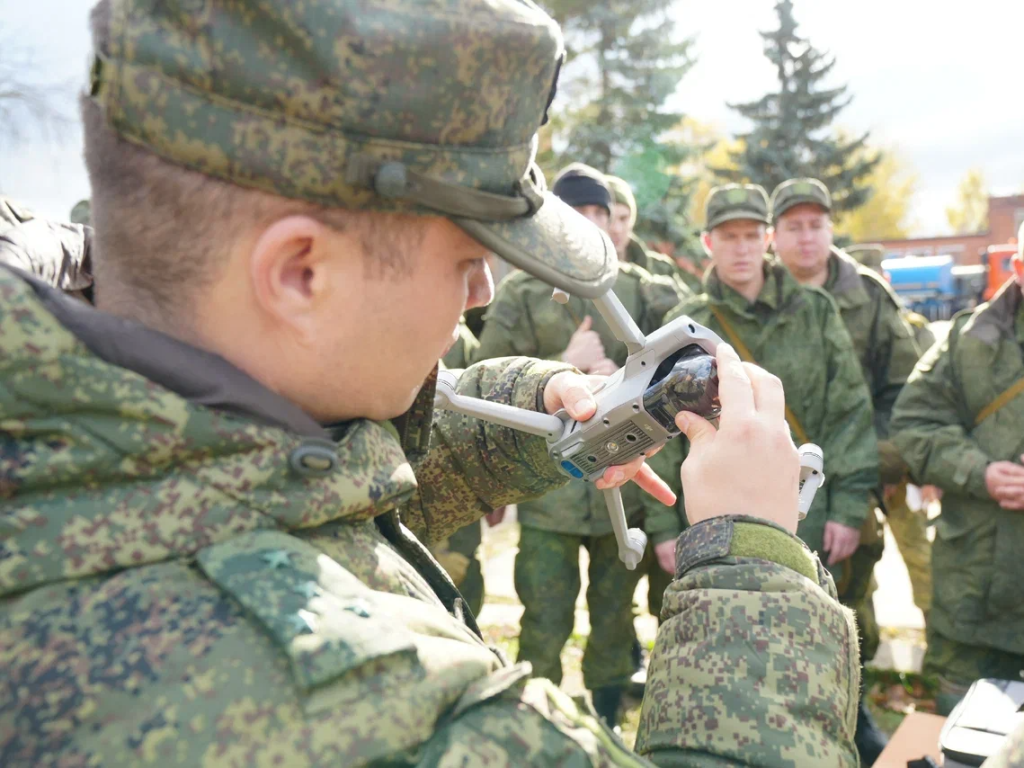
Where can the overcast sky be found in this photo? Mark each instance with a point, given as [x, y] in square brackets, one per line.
[942, 87]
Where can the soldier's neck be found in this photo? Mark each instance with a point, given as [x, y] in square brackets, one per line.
[816, 279]
[749, 290]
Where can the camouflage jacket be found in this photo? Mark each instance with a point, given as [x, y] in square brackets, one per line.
[523, 320]
[12, 214]
[57, 253]
[883, 339]
[934, 428]
[797, 334]
[192, 572]
[657, 264]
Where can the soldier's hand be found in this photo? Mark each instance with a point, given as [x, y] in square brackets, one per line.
[666, 554]
[575, 393]
[840, 542]
[585, 349]
[930, 494]
[495, 517]
[1005, 483]
[748, 465]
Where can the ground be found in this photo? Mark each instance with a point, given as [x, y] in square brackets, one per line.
[894, 684]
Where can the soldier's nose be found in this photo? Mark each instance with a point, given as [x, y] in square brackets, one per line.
[481, 287]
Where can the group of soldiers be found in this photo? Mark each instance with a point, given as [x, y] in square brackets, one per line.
[222, 470]
[828, 324]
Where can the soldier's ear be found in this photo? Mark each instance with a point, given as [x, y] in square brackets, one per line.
[705, 240]
[289, 268]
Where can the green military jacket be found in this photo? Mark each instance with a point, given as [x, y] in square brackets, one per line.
[523, 320]
[979, 545]
[193, 572]
[658, 264]
[795, 333]
[462, 350]
[883, 340]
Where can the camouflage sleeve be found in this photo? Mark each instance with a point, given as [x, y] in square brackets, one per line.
[756, 662]
[848, 434]
[505, 332]
[898, 353]
[474, 466]
[929, 427]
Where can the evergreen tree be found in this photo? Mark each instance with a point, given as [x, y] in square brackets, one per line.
[791, 136]
[624, 62]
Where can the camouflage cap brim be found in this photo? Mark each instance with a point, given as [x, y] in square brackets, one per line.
[737, 215]
[556, 244]
[796, 200]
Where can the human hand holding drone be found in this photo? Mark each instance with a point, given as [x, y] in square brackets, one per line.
[672, 370]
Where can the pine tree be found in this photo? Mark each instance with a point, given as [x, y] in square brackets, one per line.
[624, 62]
[791, 136]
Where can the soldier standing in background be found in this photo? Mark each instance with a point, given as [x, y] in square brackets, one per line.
[794, 332]
[906, 505]
[885, 347]
[958, 423]
[523, 320]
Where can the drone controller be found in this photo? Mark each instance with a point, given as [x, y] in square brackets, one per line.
[672, 370]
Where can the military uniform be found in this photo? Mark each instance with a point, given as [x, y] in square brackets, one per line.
[523, 320]
[976, 624]
[195, 572]
[12, 214]
[795, 333]
[458, 554]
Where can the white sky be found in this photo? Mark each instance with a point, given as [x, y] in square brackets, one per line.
[939, 81]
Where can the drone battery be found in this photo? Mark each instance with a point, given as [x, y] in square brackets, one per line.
[686, 381]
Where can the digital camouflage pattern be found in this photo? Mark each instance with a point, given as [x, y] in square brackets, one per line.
[794, 192]
[796, 333]
[425, 106]
[736, 202]
[523, 320]
[976, 557]
[58, 254]
[690, 697]
[547, 558]
[186, 585]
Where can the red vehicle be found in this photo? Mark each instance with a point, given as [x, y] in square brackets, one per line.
[997, 261]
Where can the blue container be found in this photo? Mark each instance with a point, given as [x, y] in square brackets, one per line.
[921, 275]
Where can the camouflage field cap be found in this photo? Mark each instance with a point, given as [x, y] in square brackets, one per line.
[623, 193]
[424, 106]
[81, 213]
[735, 201]
[797, 192]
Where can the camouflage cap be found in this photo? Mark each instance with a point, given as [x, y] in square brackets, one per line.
[735, 201]
[81, 213]
[623, 193]
[423, 106]
[797, 192]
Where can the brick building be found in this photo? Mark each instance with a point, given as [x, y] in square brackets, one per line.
[1005, 215]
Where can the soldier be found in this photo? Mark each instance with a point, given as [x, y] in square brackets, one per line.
[81, 213]
[523, 320]
[796, 333]
[629, 247]
[958, 424]
[909, 526]
[204, 561]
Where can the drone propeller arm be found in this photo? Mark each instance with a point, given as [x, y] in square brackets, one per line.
[619, 320]
[541, 424]
[632, 541]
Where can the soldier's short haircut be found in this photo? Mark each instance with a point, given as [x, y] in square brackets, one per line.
[162, 231]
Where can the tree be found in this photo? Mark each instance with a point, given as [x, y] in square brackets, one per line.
[624, 62]
[886, 215]
[790, 137]
[970, 213]
[26, 102]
